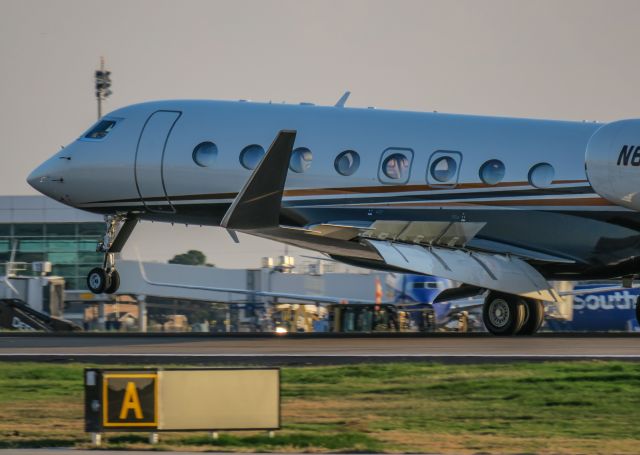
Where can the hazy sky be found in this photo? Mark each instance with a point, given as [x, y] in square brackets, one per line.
[552, 59]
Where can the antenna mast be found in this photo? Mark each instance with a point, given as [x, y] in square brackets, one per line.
[103, 86]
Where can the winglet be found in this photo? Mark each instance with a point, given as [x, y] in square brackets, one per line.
[257, 205]
[343, 99]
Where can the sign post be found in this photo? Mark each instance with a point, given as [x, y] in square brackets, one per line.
[205, 399]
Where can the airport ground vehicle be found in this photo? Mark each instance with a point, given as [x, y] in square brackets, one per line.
[15, 314]
[499, 204]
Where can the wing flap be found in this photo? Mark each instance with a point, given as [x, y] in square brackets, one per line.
[490, 271]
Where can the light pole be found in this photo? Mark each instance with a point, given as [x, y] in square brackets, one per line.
[103, 85]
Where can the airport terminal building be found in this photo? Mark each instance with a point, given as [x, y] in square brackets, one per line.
[37, 229]
[41, 229]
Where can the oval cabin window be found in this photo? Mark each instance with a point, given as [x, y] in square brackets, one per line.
[251, 155]
[444, 169]
[396, 166]
[300, 160]
[347, 162]
[492, 172]
[205, 153]
[541, 175]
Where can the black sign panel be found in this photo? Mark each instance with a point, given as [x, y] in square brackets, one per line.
[130, 400]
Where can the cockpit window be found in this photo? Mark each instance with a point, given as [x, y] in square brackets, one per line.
[100, 131]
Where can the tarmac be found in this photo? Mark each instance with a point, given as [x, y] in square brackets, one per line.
[457, 348]
[57, 451]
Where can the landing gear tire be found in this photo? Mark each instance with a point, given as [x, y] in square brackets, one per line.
[534, 317]
[106, 279]
[97, 280]
[503, 314]
[114, 282]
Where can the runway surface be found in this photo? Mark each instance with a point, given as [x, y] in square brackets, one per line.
[57, 451]
[292, 350]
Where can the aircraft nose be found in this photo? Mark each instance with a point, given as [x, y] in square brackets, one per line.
[37, 175]
[46, 178]
[34, 178]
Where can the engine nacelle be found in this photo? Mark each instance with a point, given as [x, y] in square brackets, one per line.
[612, 162]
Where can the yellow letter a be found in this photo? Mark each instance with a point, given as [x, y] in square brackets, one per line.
[131, 401]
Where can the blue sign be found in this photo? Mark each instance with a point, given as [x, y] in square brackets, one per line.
[601, 311]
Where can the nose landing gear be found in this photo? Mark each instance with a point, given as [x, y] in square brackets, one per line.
[106, 279]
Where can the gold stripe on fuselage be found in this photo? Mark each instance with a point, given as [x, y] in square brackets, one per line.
[356, 190]
[568, 202]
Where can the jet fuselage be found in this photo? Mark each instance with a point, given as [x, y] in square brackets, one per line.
[522, 180]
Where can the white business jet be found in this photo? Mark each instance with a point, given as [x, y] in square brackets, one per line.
[500, 204]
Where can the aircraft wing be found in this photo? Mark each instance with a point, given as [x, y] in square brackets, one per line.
[278, 295]
[435, 248]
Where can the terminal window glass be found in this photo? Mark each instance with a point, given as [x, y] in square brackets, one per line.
[90, 258]
[63, 258]
[30, 257]
[32, 245]
[68, 229]
[87, 245]
[62, 245]
[92, 229]
[70, 247]
[28, 230]
[100, 131]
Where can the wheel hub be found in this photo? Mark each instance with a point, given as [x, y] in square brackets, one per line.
[499, 313]
[95, 280]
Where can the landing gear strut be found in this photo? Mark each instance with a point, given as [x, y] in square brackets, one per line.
[506, 314]
[106, 279]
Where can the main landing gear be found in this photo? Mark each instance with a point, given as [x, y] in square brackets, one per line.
[106, 279]
[507, 314]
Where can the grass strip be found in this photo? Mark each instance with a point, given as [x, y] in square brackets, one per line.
[549, 407]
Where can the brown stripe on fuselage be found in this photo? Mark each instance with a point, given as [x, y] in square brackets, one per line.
[581, 202]
[345, 190]
[409, 188]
